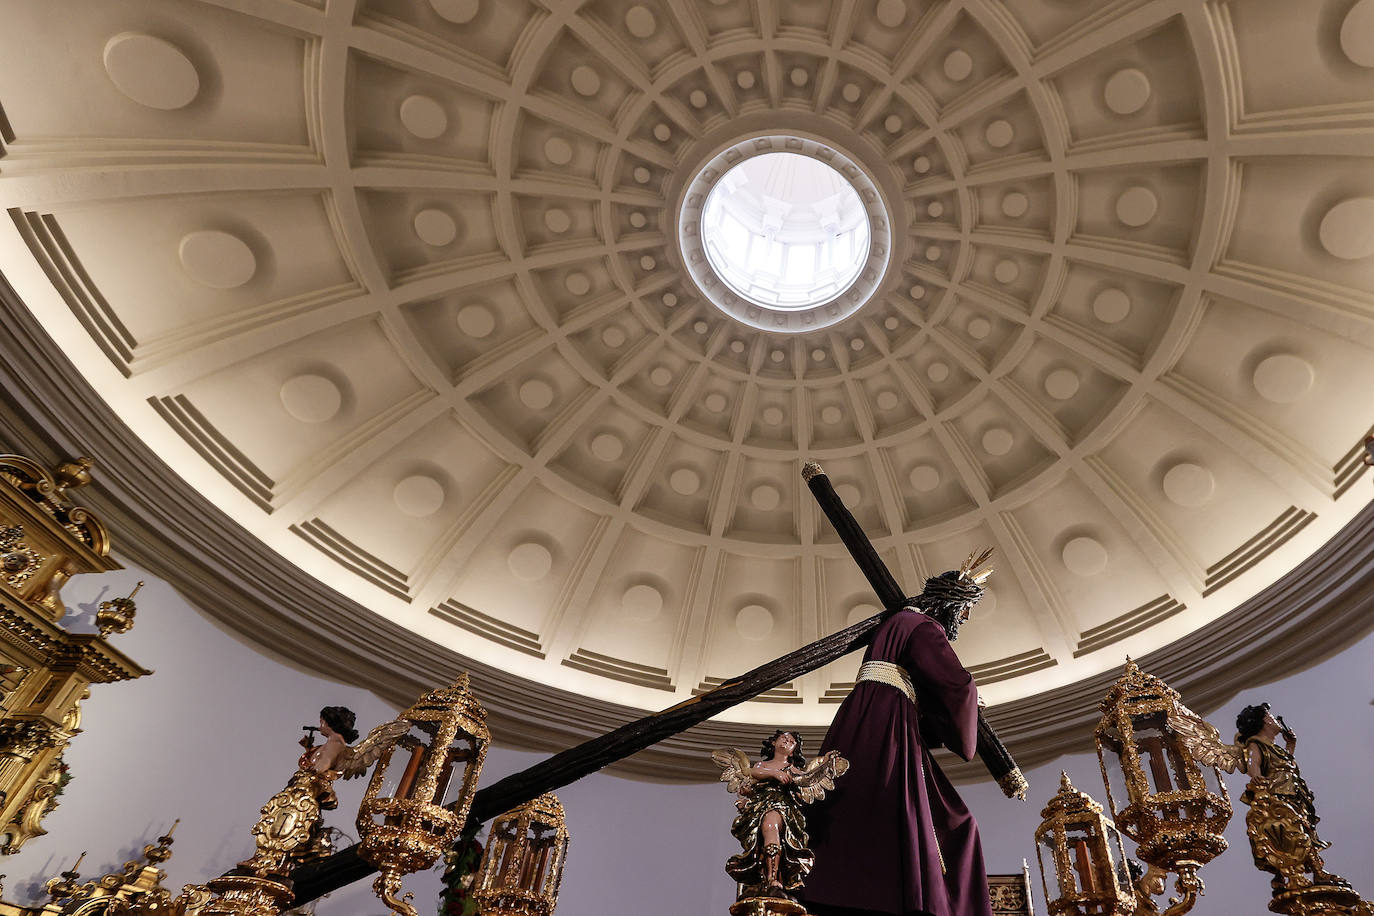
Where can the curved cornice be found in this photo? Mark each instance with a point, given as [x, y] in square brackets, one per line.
[164, 526]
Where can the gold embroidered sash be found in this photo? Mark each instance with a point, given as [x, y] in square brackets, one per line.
[888, 673]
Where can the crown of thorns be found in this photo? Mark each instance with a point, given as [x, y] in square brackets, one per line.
[964, 588]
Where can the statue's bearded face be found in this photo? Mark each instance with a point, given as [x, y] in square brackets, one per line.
[951, 617]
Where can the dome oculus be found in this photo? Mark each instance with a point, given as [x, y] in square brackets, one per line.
[784, 234]
[785, 231]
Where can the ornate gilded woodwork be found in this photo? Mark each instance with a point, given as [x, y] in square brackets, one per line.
[136, 890]
[1011, 894]
[46, 670]
[1086, 857]
[522, 867]
[1281, 822]
[1159, 794]
[422, 788]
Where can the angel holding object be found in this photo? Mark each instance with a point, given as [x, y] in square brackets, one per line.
[770, 826]
[1282, 821]
[290, 828]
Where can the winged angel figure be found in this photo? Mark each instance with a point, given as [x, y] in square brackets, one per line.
[770, 826]
[1282, 820]
[290, 829]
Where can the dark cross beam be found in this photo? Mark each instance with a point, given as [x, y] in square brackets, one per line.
[991, 750]
[345, 866]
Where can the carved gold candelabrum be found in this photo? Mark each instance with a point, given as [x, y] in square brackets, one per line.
[1086, 856]
[522, 866]
[117, 614]
[422, 788]
[1158, 793]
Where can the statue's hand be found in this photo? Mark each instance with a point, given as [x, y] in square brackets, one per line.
[784, 777]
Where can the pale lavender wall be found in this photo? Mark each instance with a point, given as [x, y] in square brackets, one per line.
[210, 736]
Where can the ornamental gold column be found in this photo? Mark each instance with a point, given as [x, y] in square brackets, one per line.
[45, 669]
[1160, 796]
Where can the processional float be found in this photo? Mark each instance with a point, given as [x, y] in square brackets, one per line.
[346, 866]
[424, 788]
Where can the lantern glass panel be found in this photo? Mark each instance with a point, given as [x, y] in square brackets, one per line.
[453, 773]
[1211, 778]
[504, 853]
[1045, 850]
[536, 866]
[555, 875]
[1084, 847]
[407, 765]
[1158, 757]
[1113, 767]
[1117, 848]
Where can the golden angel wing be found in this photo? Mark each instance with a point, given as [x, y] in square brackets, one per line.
[1205, 744]
[359, 758]
[734, 768]
[819, 776]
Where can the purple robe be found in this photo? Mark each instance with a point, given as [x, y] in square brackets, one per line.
[881, 835]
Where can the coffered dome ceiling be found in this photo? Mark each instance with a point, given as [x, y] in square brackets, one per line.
[400, 285]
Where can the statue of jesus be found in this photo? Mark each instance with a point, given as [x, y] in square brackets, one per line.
[895, 836]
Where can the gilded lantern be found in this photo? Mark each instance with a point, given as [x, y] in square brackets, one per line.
[422, 788]
[522, 866]
[1086, 855]
[1158, 793]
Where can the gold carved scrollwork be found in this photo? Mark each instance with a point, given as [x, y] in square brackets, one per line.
[29, 823]
[1007, 898]
[290, 821]
[28, 737]
[18, 560]
[1280, 838]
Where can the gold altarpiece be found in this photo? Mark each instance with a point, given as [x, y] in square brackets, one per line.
[45, 669]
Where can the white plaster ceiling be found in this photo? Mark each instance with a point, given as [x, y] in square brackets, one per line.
[395, 284]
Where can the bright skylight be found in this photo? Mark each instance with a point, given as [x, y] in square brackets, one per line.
[785, 231]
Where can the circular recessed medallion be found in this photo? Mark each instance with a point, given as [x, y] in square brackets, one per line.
[153, 72]
[311, 398]
[423, 117]
[924, 478]
[754, 621]
[530, 561]
[765, 497]
[641, 602]
[217, 259]
[418, 496]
